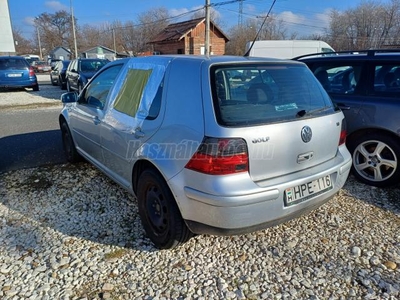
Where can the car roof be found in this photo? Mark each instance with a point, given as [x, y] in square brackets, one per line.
[220, 59]
[12, 56]
[360, 55]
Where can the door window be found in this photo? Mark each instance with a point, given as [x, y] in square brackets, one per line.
[97, 91]
[339, 79]
[130, 95]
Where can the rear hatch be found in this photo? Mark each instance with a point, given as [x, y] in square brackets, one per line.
[13, 69]
[281, 111]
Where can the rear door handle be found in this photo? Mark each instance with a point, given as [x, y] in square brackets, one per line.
[138, 133]
[96, 120]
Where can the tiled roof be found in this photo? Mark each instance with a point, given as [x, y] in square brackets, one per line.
[176, 31]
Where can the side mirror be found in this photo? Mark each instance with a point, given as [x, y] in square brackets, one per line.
[70, 97]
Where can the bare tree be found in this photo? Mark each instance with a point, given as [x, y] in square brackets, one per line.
[150, 24]
[273, 29]
[214, 16]
[239, 36]
[54, 30]
[369, 25]
[22, 45]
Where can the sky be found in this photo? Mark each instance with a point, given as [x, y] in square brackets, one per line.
[304, 17]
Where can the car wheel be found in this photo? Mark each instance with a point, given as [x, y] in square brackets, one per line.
[52, 81]
[159, 212]
[70, 151]
[62, 85]
[376, 159]
[36, 87]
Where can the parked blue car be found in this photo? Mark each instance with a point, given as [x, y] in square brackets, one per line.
[15, 72]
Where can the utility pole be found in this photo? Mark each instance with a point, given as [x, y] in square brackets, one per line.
[73, 28]
[115, 48]
[207, 43]
[240, 22]
[40, 44]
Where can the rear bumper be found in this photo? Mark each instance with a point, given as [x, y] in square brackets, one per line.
[18, 84]
[250, 208]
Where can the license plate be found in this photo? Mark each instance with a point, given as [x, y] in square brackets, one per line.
[14, 75]
[308, 190]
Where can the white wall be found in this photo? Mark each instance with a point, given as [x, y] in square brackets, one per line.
[6, 37]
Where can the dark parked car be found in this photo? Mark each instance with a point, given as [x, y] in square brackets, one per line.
[366, 86]
[207, 153]
[15, 72]
[81, 70]
[58, 73]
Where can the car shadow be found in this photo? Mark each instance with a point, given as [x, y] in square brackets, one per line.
[31, 150]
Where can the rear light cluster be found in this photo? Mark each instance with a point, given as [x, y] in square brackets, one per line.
[343, 134]
[31, 71]
[220, 156]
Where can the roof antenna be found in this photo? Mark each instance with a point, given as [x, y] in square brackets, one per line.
[259, 30]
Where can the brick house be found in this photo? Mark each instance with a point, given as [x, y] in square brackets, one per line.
[189, 38]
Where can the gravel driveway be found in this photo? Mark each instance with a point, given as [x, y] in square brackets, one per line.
[68, 232]
[47, 96]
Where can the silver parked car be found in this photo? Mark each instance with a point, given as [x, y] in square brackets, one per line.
[207, 151]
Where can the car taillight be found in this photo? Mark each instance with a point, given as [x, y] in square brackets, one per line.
[343, 133]
[220, 156]
[31, 71]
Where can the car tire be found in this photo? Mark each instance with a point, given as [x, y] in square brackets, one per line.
[70, 151]
[35, 88]
[62, 85]
[159, 212]
[52, 82]
[376, 159]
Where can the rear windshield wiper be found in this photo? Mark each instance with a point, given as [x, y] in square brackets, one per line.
[303, 112]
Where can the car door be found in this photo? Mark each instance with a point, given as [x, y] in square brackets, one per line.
[346, 86]
[73, 75]
[88, 115]
[125, 130]
[381, 103]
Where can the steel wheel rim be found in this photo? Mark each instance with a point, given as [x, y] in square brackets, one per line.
[156, 210]
[374, 160]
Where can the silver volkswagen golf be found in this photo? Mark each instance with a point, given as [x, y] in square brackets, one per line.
[210, 145]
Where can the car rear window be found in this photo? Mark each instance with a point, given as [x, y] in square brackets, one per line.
[13, 64]
[260, 94]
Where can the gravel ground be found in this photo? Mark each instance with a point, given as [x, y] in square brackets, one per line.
[68, 232]
[47, 96]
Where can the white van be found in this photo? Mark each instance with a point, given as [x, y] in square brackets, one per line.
[287, 48]
[31, 58]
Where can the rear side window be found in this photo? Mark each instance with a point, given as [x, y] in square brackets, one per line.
[339, 78]
[387, 79]
[260, 94]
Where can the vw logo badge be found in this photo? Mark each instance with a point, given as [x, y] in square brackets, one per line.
[306, 134]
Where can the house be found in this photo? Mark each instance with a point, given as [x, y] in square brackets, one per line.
[61, 53]
[102, 52]
[189, 38]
